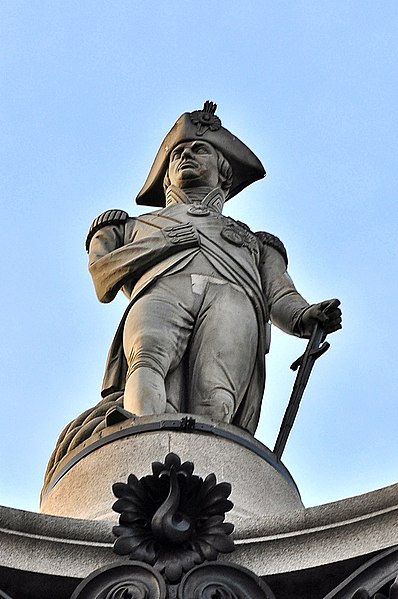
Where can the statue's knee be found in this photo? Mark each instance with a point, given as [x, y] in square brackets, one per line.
[220, 405]
[142, 359]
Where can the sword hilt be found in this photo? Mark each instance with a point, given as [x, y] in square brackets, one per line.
[315, 353]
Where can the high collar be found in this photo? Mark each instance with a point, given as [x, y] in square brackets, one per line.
[214, 198]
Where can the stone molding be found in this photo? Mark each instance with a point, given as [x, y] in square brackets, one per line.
[320, 535]
[82, 486]
[293, 541]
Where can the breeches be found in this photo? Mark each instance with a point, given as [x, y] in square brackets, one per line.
[206, 324]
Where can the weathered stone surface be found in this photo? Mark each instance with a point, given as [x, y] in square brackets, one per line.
[260, 485]
[46, 544]
[294, 541]
[320, 535]
[203, 288]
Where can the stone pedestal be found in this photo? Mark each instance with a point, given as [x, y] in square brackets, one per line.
[81, 487]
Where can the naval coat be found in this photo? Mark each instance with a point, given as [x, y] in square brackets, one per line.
[130, 254]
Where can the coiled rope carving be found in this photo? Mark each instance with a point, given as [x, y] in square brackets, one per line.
[78, 431]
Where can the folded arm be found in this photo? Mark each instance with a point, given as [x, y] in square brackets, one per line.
[112, 262]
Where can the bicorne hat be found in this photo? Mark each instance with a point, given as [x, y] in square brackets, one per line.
[201, 124]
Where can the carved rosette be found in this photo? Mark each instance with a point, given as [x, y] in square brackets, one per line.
[206, 118]
[172, 519]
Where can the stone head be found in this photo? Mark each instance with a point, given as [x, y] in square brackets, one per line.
[235, 161]
[198, 163]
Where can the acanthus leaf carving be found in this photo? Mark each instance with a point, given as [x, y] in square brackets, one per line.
[172, 519]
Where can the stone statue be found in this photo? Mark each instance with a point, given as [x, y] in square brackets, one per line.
[203, 287]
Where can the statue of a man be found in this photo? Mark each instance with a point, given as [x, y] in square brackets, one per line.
[202, 287]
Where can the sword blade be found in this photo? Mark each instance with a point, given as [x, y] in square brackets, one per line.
[304, 364]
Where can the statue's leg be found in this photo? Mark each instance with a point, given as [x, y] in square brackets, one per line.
[155, 337]
[222, 352]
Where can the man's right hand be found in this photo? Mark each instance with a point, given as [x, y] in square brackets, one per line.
[327, 313]
[184, 234]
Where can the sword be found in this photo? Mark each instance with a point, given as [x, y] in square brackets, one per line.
[315, 348]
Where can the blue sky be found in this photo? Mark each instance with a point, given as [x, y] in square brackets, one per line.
[88, 90]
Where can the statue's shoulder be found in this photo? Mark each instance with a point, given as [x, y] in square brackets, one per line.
[244, 226]
[274, 242]
[109, 217]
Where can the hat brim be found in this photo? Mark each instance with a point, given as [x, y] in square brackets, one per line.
[246, 167]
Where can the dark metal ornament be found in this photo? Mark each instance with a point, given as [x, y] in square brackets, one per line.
[218, 580]
[392, 593]
[134, 580]
[172, 519]
[376, 579]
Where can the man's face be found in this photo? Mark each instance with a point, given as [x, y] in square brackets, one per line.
[193, 164]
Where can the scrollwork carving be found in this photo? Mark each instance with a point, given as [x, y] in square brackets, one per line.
[122, 581]
[392, 593]
[219, 580]
[209, 590]
[129, 590]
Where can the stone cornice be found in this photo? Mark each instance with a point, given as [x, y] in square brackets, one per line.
[297, 540]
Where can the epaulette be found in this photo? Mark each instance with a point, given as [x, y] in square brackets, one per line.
[244, 225]
[109, 217]
[274, 242]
